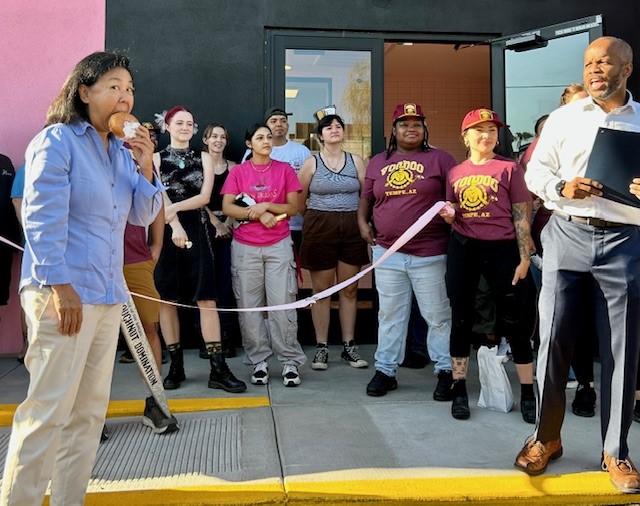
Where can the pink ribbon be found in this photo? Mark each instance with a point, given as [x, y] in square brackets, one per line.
[422, 222]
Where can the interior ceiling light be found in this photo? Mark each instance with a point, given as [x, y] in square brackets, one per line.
[290, 93]
[288, 67]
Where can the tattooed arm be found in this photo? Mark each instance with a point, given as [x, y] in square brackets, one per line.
[521, 213]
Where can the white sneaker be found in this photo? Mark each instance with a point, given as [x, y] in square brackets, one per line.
[290, 376]
[260, 374]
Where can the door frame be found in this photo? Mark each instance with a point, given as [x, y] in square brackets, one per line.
[591, 24]
[278, 40]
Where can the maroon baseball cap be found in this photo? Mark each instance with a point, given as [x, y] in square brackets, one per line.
[406, 111]
[480, 116]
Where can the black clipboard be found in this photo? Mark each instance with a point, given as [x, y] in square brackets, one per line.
[614, 162]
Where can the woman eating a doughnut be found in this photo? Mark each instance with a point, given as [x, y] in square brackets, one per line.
[185, 270]
[81, 189]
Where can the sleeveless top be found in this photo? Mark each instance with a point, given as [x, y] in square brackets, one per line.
[215, 202]
[334, 191]
[181, 172]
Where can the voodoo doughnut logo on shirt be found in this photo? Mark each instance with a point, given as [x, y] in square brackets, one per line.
[402, 174]
[476, 192]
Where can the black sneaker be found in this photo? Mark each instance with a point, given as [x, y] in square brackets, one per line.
[443, 388]
[380, 384]
[528, 409]
[320, 360]
[584, 403]
[350, 356]
[155, 418]
[126, 358]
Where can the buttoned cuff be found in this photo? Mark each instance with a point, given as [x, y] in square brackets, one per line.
[52, 274]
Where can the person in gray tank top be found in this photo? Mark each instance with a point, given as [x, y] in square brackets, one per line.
[332, 248]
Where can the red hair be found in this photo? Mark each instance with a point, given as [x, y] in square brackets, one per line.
[175, 110]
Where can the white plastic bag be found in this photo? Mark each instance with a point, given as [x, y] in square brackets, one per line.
[495, 388]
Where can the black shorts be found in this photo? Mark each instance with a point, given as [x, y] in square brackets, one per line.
[330, 237]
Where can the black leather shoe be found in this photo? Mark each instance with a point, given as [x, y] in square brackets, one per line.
[460, 403]
[381, 384]
[443, 388]
[460, 407]
[584, 403]
[528, 409]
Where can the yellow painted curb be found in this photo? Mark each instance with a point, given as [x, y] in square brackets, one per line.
[506, 488]
[134, 408]
[222, 495]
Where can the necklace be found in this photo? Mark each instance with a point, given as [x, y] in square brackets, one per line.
[261, 170]
[336, 166]
[181, 154]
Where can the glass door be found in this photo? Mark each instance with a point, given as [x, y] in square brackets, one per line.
[530, 70]
[311, 72]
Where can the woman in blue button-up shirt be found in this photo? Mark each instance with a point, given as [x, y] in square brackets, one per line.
[81, 188]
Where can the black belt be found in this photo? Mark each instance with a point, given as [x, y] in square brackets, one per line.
[594, 222]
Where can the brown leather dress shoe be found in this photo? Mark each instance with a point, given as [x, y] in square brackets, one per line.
[622, 473]
[535, 456]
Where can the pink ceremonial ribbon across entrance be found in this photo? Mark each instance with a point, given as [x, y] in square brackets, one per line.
[422, 222]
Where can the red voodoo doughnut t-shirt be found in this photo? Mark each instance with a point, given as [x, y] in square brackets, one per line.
[402, 189]
[484, 194]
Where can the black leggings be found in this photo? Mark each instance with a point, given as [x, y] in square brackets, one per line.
[467, 260]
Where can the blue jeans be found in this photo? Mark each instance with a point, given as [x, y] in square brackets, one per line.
[395, 279]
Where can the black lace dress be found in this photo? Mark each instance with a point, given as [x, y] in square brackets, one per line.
[186, 275]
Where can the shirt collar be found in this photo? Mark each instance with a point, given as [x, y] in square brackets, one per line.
[590, 105]
[81, 127]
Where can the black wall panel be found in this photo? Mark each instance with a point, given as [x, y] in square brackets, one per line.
[209, 54]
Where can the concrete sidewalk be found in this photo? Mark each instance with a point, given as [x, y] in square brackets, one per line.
[326, 442]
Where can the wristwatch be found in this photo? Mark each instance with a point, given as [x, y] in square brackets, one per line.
[560, 187]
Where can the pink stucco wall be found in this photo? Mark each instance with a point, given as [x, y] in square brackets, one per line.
[39, 44]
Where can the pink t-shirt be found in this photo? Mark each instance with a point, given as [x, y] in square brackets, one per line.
[485, 194]
[271, 185]
[402, 189]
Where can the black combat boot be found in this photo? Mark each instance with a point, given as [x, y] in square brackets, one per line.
[176, 370]
[222, 377]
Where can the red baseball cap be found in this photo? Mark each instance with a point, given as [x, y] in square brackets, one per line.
[480, 116]
[406, 111]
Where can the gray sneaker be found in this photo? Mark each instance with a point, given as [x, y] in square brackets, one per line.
[155, 419]
[321, 358]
